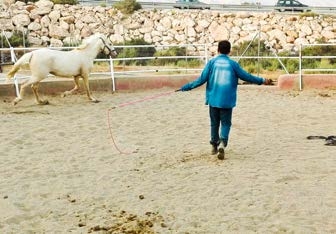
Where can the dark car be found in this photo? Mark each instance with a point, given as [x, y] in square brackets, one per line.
[291, 5]
[191, 4]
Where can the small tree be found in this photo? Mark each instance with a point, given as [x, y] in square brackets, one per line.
[69, 2]
[127, 6]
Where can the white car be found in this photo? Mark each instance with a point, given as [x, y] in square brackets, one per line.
[191, 4]
[291, 5]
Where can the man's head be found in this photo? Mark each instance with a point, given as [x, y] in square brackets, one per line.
[224, 47]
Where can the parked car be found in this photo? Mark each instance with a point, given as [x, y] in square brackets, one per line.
[291, 5]
[191, 4]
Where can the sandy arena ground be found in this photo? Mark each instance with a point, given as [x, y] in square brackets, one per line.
[61, 173]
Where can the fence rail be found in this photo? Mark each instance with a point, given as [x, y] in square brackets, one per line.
[116, 68]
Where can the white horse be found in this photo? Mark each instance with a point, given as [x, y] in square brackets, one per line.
[75, 63]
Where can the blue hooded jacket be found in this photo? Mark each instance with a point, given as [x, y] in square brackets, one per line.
[221, 74]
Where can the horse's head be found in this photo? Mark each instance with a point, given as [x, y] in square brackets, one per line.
[107, 47]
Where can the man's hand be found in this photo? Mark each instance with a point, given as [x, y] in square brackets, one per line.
[268, 82]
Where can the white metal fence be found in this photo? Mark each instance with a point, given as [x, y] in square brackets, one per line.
[119, 68]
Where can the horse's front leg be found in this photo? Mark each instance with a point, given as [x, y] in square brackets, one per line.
[76, 88]
[87, 88]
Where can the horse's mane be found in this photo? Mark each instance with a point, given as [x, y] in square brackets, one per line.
[89, 40]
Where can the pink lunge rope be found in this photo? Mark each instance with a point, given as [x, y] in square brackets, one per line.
[128, 104]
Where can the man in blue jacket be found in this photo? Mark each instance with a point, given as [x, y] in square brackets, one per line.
[221, 75]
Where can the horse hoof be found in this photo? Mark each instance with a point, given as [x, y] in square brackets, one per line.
[95, 101]
[16, 101]
[66, 93]
[45, 102]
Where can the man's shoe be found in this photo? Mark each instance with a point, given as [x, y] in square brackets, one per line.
[214, 149]
[221, 152]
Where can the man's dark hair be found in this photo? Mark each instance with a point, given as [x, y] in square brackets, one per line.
[224, 47]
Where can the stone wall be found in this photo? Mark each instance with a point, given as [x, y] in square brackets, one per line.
[49, 24]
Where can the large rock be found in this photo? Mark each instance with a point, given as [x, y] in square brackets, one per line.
[34, 26]
[43, 7]
[54, 15]
[45, 21]
[219, 32]
[278, 35]
[166, 22]
[6, 24]
[305, 28]
[328, 34]
[20, 20]
[57, 32]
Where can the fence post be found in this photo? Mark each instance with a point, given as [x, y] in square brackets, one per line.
[16, 82]
[112, 74]
[300, 67]
[206, 53]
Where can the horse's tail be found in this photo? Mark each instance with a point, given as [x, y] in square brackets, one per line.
[23, 60]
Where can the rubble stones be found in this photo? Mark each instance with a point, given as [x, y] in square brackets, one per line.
[48, 24]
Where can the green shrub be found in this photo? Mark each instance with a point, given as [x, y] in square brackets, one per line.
[171, 52]
[252, 51]
[190, 63]
[315, 51]
[18, 39]
[325, 64]
[292, 65]
[26, 1]
[133, 52]
[271, 64]
[127, 6]
[320, 50]
[308, 14]
[72, 43]
[251, 68]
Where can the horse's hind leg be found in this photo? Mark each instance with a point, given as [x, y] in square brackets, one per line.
[22, 90]
[87, 89]
[76, 81]
[34, 87]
